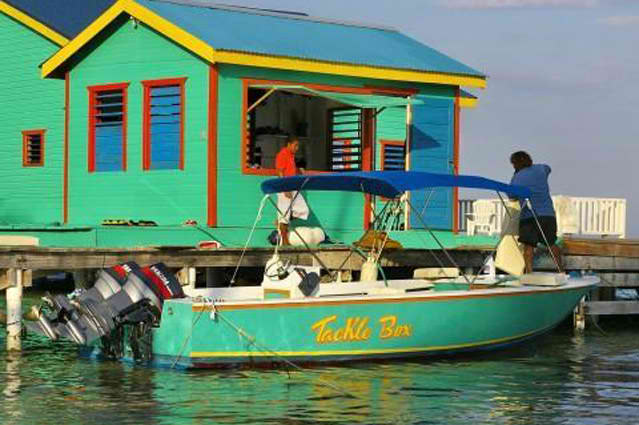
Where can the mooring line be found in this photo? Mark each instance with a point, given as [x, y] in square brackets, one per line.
[252, 340]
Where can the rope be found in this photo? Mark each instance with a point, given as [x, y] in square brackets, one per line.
[188, 337]
[248, 240]
[253, 341]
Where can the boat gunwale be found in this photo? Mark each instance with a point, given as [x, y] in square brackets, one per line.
[427, 295]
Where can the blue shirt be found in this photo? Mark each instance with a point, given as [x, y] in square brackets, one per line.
[535, 178]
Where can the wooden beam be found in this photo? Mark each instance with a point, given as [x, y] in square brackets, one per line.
[80, 258]
[628, 248]
[8, 277]
[619, 280]
[611, 307]
[584, 262]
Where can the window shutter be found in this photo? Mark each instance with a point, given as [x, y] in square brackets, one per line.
[393, 156]
[33, 148]
[345, 133]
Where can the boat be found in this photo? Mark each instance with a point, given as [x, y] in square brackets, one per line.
[302, 314]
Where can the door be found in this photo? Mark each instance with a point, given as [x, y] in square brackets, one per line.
[431, 149]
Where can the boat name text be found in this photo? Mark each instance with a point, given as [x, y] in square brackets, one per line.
[327, 330]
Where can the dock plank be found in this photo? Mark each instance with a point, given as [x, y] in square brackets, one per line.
[611, 307]
[586, 262]
[619, 280]
[91, 258]
[628, 248]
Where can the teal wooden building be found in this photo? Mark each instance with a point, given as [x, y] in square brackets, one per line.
[172, 112]
[32, 120]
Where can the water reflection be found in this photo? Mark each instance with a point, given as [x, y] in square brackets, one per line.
[561, 380]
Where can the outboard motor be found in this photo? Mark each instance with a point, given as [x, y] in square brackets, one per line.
[109, 281]
[91, 316]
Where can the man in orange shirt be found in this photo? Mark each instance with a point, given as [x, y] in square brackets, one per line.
[290, 204]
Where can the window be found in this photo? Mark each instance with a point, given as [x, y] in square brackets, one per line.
[332, 135]
[33, 148]
[107, 127]
[163, 138]
[393, 155]
[345, 135]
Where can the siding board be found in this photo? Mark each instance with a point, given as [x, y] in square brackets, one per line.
[29, 195]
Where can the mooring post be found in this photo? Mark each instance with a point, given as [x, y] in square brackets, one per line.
[579, 316]
[14, 310]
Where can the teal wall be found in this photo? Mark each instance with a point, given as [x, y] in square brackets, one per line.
[29, 194]
[131, 54]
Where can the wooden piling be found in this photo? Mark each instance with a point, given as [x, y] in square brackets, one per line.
[14, 311]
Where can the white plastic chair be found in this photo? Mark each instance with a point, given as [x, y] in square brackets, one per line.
[483, 218]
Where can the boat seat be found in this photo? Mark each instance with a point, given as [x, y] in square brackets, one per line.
[386, 291]
[544, 279]
[432, 273]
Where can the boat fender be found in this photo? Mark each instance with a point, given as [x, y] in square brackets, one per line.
[369, 270]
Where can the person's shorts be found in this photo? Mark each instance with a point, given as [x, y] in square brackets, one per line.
[529, 233]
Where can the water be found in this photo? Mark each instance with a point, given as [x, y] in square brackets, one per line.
[560, 379]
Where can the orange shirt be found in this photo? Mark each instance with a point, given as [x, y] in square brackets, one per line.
[285, 161]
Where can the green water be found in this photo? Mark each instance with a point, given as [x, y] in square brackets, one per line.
[559, 379]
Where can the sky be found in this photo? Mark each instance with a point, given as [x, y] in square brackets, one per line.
[563, 82]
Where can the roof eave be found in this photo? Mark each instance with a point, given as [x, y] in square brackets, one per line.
[37, 26]
[353, 70]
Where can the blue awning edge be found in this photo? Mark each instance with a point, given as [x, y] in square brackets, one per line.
[389, 184]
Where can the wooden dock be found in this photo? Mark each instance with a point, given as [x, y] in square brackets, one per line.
[616, 262]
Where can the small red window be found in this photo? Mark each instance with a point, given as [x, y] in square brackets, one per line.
[33, 148]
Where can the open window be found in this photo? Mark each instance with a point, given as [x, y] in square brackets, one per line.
[335, 129]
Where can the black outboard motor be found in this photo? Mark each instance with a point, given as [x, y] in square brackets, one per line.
[87, 318]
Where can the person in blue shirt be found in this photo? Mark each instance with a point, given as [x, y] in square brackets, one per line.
[535, 177]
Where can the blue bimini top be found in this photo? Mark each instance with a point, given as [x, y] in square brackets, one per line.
[389, 184]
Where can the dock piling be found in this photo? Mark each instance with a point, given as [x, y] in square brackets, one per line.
[14, 310]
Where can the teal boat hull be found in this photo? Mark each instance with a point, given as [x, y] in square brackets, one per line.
[202, 333]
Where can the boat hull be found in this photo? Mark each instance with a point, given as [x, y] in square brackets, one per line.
[206, 334]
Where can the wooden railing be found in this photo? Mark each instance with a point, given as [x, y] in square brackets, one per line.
[575, 215]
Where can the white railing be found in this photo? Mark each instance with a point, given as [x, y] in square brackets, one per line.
[601, 216]
[575, 215]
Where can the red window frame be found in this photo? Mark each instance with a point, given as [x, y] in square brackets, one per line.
[93, 90]
[25, 148]
[366, 143]
[146, 120]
